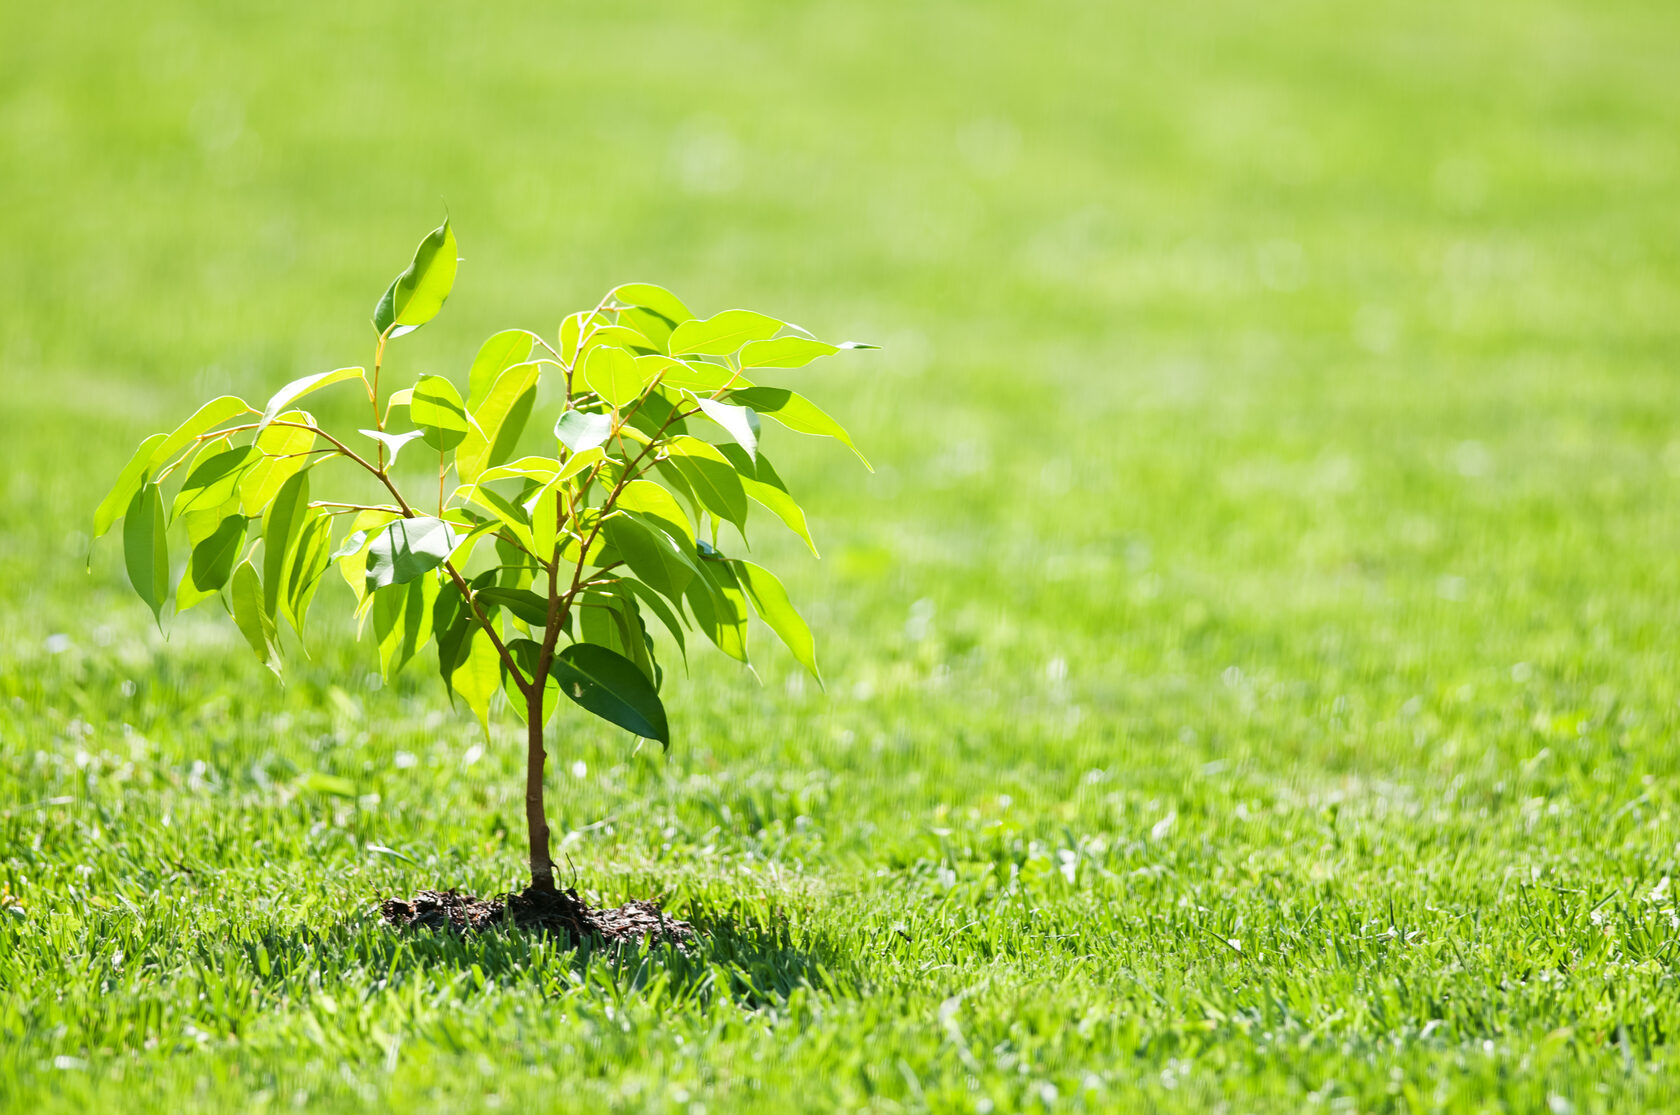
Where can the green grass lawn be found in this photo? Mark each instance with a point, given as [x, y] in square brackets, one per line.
[1251, 666]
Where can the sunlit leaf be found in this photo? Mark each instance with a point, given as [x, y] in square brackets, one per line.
[253, 621]
[212, 559]
[525, 653]
[478, 674]
[511, 514]
[796, 413]
[542, 469]
[719, 606]
[660, 506]
[305, 563]
[133, 475]
[298, 388]
[393, 443]
[466, 544]
[416, 295]
[207, 417]
[770, 601]
[579, 430]
[402, 621]
[699, 376]
[501, 352]
[655, 327]
[146, 549]
[281, 526]
[213, 480]
[614, 375]
[655, 298]
[437, 413]
[631, 342]
[739, 422]
[498, 421]
[723, 333]
[572, 331]
[650, 553]
[610, 686]
[285, 450]
[784, 352]
[351, 555]
[710, 476]
[407, 548]
[759, 479]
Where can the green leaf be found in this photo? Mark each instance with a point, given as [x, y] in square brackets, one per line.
[660, 506]
[214, 480]
[759, 479]
[655, 327]
[501, 352]
[650, 553]
[572, 330]
[796, 413]
[541, 469]
[351, 555]
[436, 411]
[525, 653]
[402, 621]
[579, 430]
[146, 550]
[478, 674]
[393, 443]
[253, 621]
[284, 450]
[610, 619]
[740, 423]
[722, 334]
[671, 618]
[416, 296]
[498, 421]
[784, 352]
[281, 527]
[526, 606]
[577, 462]
[511, 514]
[630, 341]
[298, 388]
[206, 417]
[710, 476]
[212, 560]
[720, 607]
[407, 548]
[306, 562]
[655, 298]
[133, 475]
[699, 376]
[451, 626]
[770, 601]
[614, 375]
[465, 545]
[613, 688]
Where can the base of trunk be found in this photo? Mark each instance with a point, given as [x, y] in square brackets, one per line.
[560, 912]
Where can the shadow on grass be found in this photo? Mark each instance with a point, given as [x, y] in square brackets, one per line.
[752, 958]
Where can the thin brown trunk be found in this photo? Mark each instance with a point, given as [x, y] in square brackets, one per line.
[536, 822]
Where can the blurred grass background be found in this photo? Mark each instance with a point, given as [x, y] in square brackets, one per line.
[1275, 484]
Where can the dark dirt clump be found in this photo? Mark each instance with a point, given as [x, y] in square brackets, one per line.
[560, 912]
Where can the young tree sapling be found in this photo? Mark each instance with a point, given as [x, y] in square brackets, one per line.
[533, 576]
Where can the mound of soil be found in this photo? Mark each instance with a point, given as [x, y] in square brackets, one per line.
[560, 912]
